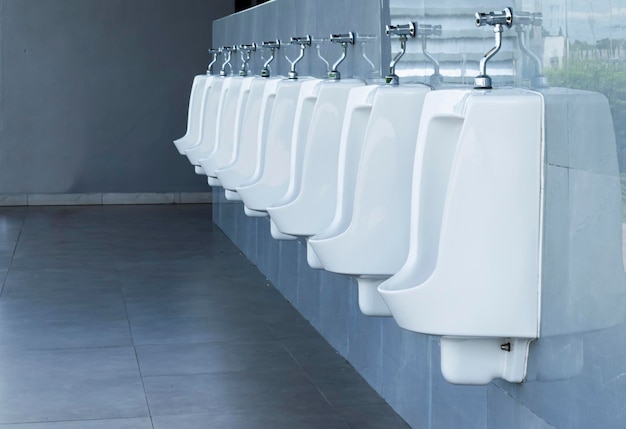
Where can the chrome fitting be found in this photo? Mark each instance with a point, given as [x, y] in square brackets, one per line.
[498, 20]
[229, 53]
[215, 53]
[404, 31]
[343, 39]
[246, 52]
[303, 41]
[272, 46]
[426, 30]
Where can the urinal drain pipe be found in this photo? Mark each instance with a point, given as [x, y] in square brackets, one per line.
[343, 39]
[229, 53]
[425, 31]
[272, 46]
[303, 42]
[404, 31]
[523, 19]
[215, 53]
[498, 20]
[246, 53]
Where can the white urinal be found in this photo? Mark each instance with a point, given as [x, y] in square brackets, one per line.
[309, 203]
[474, 265]
[200, 89]
[229, 129]
[289, 123]
[252, 138]
[358, 110]
[225, 116]
[369, 236]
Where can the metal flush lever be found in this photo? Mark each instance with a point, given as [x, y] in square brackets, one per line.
[522, 20]
[404, 31]
[497, 19]
[215, 53]
[245, 52]
[229, 53]
[303, 42]
[426, 30]
[272, 46]
[343, 39]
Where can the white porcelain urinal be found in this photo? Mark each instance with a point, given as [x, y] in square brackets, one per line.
[289, 123]
[358, 110]
[369, 236]
[473, 271]
[228, 98]
[200, 89]
[252, 137]
[309, 203]
[228, 128]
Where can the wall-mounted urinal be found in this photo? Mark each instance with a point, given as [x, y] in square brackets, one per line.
[368, 237]
[255, 120]
[200, 89]
[473, 270]
[231, 118]
[211, 114]
[473, 273]
[289, 122]
[308, 206]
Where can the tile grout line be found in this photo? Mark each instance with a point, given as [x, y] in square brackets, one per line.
[130, 331]
[19, 235]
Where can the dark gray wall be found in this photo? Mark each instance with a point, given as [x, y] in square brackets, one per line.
[92, 93]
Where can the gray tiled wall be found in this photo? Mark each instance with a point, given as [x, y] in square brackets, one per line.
[576, 370]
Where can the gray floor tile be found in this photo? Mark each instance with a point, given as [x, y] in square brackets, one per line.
[203, 358]
[168, 329]
[218, 346]
[371, 417]
[257, 420]
[79, 384]
[134, 423]
[77, 280]
[103, 306]
[313, 351]
[343, 386]
[230, 393]
[43, 334]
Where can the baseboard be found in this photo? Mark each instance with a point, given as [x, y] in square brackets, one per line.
[105, 199]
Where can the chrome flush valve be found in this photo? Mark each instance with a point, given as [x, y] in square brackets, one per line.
[303, 41]
[272, 46]
[404, 31]
[215, 53]
[246, 52]
[343, 39]
[497, 20]
[523, 20]
[229, 53]
[425, 31]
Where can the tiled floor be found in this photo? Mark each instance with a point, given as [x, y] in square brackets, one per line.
[149, 317]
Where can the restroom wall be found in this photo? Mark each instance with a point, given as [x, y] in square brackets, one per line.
[576, 370]
[92, 93]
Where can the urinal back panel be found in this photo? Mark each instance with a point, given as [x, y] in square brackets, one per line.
[253, 135]
[274, 179]
[236, 98]
[485, 278]
[207, 141]
[193, 112]
[377, 237]
[199, 91]
[311, 199]
[358, 111]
